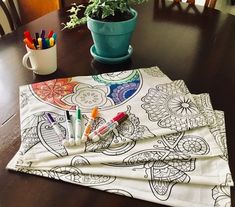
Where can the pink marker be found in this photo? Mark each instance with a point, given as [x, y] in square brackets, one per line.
[105, 129]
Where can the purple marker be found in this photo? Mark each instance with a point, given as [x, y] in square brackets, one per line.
[42, 33]
[57, 129]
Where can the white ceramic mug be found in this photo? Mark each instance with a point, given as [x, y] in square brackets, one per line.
[43, 61]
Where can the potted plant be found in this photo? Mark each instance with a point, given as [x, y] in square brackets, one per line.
[111, 23]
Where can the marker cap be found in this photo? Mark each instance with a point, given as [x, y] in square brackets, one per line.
[122, 116]
[78, 114]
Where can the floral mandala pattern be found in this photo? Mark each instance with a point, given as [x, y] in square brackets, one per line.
[52, 91]
[171, 107]
[87, 97]
[67, 93]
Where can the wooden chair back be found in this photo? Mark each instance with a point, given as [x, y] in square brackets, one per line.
[11, 16]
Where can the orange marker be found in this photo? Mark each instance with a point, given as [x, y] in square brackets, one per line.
[29, 44]
[94, 114]
[28, 36]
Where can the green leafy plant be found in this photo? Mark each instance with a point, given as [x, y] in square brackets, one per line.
[103, 10]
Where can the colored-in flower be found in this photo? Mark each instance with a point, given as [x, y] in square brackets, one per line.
[54, 90]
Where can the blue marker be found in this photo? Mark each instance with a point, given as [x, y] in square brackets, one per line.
[44, 43]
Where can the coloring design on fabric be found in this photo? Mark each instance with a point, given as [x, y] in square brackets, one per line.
[113, 89]
[171, 107]
[36, 129]
[119, 192]
[168, 162]
[128, 132]
[221, 193]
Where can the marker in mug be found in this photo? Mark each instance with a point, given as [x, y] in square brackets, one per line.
[57, 129]
[105, 129]
[78, 127]
[88, 127]
[70, 128]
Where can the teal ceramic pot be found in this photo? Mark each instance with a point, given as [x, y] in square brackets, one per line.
[112, 39]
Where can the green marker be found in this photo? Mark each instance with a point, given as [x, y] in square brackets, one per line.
[78, 127]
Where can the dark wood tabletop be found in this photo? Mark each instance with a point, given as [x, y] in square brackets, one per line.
[196, 46]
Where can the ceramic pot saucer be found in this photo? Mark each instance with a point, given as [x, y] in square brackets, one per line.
[110, 60]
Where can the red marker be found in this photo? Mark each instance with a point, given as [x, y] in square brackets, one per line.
[50, 34]
[105, 129]
[28, 36]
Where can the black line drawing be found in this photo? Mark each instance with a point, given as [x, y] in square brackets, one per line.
[153, 71]
[119, 192]
[75, 175]
[72, 175]
[171, 107]
[168, 162]
[36, 129]
[79, 160]
[24, 98]
[221, 193]
[124, 137]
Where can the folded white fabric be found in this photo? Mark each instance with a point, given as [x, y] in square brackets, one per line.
[171, 149]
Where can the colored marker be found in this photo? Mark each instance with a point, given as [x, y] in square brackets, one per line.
[39, 43]
[57, 129]
[78, 127]
[50, 34]
[27, 35]
[47, 42]
[54, 36]
[42, 34]
[70, 128]
[106, 128]
[35, 42]
[88, 127]
[44, 43]
[52, 41]
[29, 44]
[36, 35]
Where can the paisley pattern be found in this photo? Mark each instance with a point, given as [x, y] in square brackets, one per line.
[36, 129]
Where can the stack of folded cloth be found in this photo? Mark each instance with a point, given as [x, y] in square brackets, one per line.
[171, 149]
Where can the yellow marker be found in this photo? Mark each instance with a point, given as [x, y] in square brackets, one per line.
[94, 114]
[40, 43]
[52, 41]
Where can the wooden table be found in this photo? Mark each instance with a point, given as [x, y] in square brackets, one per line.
[198, 48]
